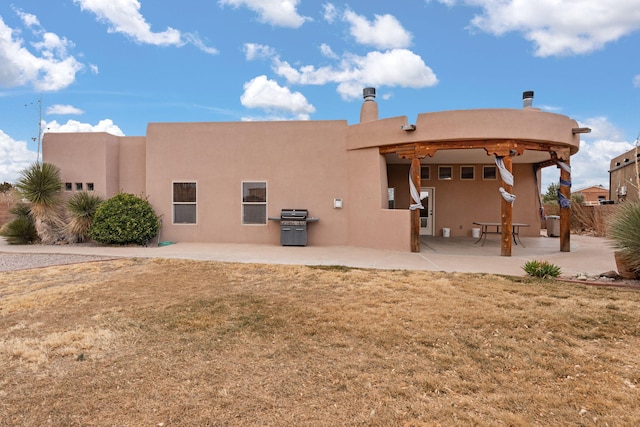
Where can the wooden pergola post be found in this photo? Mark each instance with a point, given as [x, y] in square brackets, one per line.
[415, 213]
[565, 212]
[506, 214]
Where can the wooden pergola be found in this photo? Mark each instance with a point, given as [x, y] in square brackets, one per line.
[505, 149]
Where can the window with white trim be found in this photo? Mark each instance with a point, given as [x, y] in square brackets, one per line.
[489, 172]
[424, 173]
[184, 202]
[445, 172]
[467, 172]
[254, 202]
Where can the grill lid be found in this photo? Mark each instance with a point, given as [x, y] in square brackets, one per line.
[294, 213]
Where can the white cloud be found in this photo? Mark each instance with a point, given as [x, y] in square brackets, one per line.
[73, 126]
[330, 13]
[123, 16]
[559, 27]
[14, 158]
[254, 51]
[397, 67]
[281, 13]
[636, 80]
[63, 110]
[269, 96]
[326, 51]
[52, 70]
[385, 32]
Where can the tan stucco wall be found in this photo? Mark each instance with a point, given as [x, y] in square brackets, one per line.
[132, 159]
[304, 165]
[85, 158]
[371, 223]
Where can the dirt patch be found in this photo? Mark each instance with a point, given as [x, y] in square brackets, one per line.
[187, 343]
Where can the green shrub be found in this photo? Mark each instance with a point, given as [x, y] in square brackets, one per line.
[82, 207]
[624, 231]
[124, 219]
[541, 269]
[20, 230]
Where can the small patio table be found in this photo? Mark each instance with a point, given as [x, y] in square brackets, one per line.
[484, 230]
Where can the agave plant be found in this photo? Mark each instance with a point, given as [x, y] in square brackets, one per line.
[82, 207]
[40, 185]
[624, 231]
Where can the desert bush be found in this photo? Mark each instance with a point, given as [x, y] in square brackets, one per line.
[20, 230]
[124, 219]
[624, 231]
[541, 269]
[82, 207]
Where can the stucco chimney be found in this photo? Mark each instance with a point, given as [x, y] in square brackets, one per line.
[527, 99]
[369, 109]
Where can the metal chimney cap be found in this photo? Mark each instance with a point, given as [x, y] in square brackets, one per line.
[369, 92]
[528, 94]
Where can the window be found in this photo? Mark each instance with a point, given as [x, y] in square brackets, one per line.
[68, 186]
[445, 172]
[254, 202]
[184, 202]
[89, 186]
[78, 186]
[467, 172]
[489, 172]
[424, 173]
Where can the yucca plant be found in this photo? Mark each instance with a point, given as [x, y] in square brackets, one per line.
[541, 269]
[82, 207]
[20, 230]
[40, 185]
[624, 232]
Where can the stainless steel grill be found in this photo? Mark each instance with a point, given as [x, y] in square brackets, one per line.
[293, 226]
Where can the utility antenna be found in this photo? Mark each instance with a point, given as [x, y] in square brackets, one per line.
[39, 126]
[39, 137]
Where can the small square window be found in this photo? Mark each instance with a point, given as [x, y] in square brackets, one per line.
[68, 186]
[78, 186]
[467, 172]
[424, 173]
[89, 186]
[489, 172]
[445, 172]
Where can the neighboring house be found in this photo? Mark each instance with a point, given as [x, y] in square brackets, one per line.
[624, 177]
[222, 181]
[594, 195]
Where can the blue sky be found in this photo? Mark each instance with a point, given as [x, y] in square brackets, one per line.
[116, 65]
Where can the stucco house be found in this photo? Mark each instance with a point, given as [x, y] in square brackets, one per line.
[593, 195]
[380, 183]
[624, 177]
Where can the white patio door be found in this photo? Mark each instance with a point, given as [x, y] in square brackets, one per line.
[426, 215]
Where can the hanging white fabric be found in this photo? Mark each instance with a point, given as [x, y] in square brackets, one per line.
[507, 196]
[415, 196]
[507, 178]
[564, 166]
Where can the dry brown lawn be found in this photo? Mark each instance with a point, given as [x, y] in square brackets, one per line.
[143, 342]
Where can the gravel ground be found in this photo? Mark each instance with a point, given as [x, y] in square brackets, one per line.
[12, 261]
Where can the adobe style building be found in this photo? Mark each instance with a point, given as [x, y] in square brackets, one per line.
[593, 195]
[624, 177]
[380, 183]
